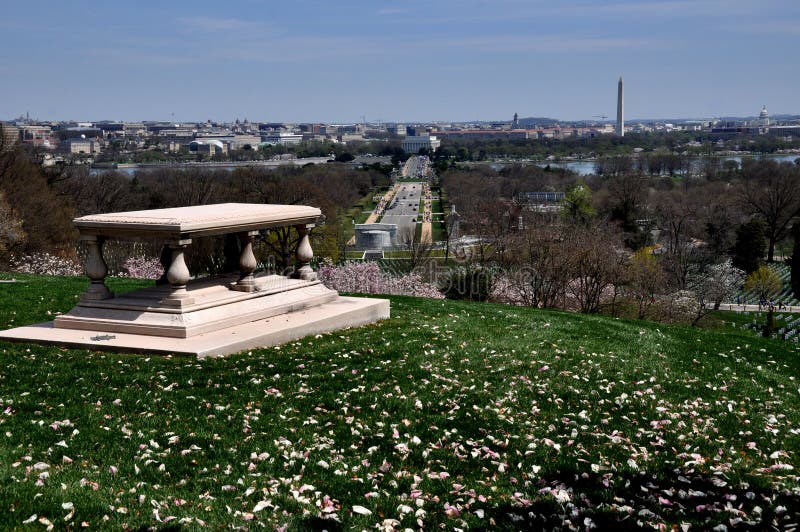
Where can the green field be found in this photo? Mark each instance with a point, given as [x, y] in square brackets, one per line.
[449, 414]
[787, 324]
[358, 212]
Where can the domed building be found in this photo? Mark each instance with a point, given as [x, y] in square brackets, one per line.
[763, 117]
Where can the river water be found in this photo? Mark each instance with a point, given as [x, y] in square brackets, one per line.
[588, 167]
[132, 169]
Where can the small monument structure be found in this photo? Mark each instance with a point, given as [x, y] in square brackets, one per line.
[211, 316]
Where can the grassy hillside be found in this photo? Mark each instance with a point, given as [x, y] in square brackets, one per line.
[450, 413]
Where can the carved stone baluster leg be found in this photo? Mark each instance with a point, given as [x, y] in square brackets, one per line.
[178, 276]
[247, 264]
[304, 254]
[96, 270]
[165, 258]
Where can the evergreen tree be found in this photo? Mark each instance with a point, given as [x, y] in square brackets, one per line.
[749, 247]
[794, 261]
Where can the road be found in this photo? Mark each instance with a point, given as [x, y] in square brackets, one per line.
[403, 209]
[417, 166]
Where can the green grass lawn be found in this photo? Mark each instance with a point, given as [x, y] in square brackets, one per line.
[438, 233]
[358, 212]
[449, 414]
[787, 324]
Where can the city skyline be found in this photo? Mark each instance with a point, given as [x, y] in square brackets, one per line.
[410, 62]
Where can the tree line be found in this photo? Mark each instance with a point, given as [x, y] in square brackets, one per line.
[37, 204]
[680, 143]
[629, 239]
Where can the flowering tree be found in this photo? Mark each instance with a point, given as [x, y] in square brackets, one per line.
[142, 268]
[45, 264]
[717, 282]
[11, 231]
[367, 278]
[711, 285]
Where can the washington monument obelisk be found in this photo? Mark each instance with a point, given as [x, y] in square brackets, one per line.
[620, 110]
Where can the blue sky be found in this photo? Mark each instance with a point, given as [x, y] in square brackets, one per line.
[415, 60]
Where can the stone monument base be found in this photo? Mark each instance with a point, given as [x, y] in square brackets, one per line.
[337, 314]
[219, 321]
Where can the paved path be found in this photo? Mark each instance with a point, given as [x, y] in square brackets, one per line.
[403, 209]
[757, 308]
[426, 236]
[373, 216]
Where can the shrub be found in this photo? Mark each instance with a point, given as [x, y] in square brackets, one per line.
[45, 264]
[763, 282]
[11, 232]
[142, 268]
[367, 278]
[471, 283]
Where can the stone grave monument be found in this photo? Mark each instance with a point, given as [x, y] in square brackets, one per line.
[211, 316]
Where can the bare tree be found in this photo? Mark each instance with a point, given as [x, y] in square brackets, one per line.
[678, 213]
[770, 190]
[540, 272]
[101, 193]
[418, 253]
[644, 280]
[595, 264]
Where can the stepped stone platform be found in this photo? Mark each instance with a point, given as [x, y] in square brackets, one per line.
[213, 316]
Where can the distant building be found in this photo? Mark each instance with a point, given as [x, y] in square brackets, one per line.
[39, 136]
[540, 197]
[485, 134]
[116, 129]
[177, 132]
[785, 130]
[82, 146]
[281, 138]
[541, 202]
[10, 136]
[237, 142]
[414, 144]
[347, 138]
[375, 236]
[763, 117]
[208, 146]
[397, 129]
[729, 129]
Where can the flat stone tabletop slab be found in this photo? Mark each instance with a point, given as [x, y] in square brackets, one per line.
[200, 220]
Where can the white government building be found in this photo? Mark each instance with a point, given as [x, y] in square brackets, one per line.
[414, 144]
